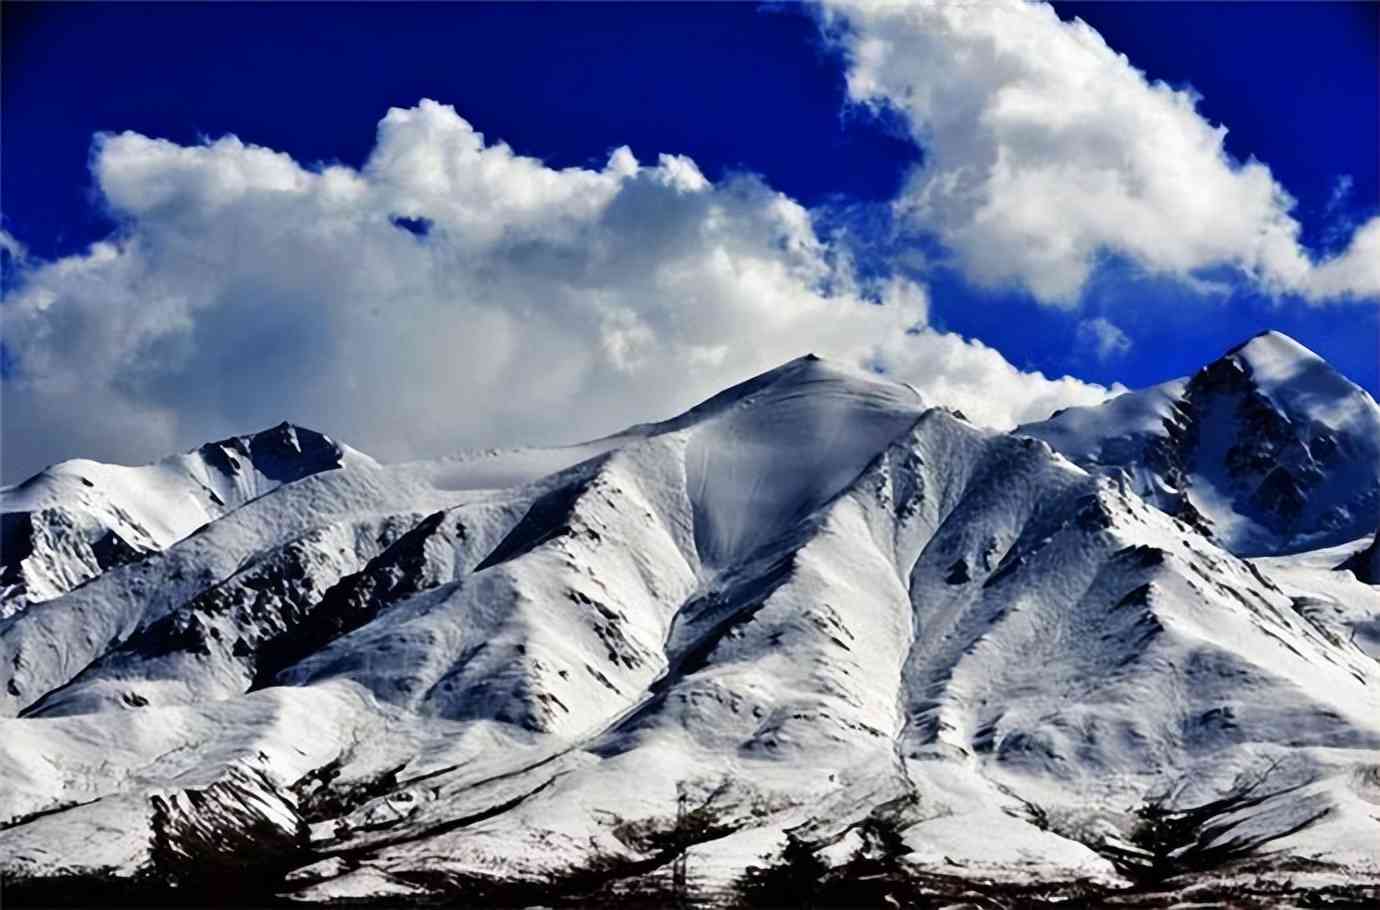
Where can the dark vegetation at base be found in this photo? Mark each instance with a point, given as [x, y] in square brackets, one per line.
[926, 891]
[1171, 842]
[914, 890]
[1174, 855]
[873, 878]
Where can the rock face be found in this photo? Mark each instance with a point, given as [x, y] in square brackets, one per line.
[1268, 448]
[1365, 564]
[813, 623]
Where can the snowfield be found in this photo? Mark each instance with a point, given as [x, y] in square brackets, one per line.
[813, 624]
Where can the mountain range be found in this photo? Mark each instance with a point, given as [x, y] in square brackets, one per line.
[815, 633]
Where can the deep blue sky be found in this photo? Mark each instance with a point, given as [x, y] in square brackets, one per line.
[734, 86]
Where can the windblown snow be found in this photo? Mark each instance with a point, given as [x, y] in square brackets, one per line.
[812, 603]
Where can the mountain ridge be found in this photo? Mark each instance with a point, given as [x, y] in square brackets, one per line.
[818, 612]
[62, 527]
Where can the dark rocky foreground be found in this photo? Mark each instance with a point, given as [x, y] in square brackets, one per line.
[1177, 855]
[917, 890]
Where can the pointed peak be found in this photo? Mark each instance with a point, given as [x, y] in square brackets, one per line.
[285, 428]
[1296, 381]
[1272, 361]
[285, 432]
[1268, 336]
[1269, 350]
[811, 364]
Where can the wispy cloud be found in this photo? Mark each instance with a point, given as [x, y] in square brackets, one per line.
[1102, 338]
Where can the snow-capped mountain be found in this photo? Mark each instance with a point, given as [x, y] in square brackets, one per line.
[814, 623]
[76, 519]
[1269, 448]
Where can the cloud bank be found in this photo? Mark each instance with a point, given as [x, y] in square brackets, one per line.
[450, 293]
[1045, 151]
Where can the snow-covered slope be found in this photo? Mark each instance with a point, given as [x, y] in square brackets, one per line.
[1331, 588]
[1269, 448]
[811, 617]
[76, 519]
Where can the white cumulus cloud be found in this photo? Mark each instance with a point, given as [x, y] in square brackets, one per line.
[531, 305]
[1045, 150]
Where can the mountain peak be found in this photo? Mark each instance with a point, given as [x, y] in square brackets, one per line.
[1295, 380]
[1269, 444]
[808, 374]
[1272, 357]
[283, 430]
[282, 453]
[76, 519]
[1272, 342]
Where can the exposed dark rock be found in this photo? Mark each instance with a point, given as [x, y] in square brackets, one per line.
[400, 571]
[958, 573]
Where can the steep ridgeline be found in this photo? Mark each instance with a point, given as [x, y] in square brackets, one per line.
[1268, 448]
[808, 618]
[77, 519]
